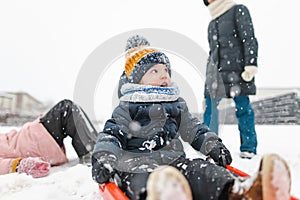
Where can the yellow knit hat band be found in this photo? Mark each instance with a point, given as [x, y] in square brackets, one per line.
[132, 60]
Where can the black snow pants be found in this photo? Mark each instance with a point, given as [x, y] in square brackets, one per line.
[207, 180]
[68, 119]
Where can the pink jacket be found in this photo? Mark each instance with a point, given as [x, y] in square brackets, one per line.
[32, 140]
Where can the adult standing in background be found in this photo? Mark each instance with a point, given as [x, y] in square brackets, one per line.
[231, 67]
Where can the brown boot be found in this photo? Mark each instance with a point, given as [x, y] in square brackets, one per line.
[251, 188]
[167, 183]
[272, 182]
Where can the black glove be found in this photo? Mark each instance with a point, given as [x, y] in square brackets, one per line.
[220, 154]
[100, 173]
[103, 168]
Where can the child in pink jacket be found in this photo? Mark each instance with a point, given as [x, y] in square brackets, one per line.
[39, 144]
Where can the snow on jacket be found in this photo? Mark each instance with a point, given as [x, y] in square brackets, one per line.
[232, 47]
[32, 140]
[145, 127]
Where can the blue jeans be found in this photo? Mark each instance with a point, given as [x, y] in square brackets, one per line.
[245, 116]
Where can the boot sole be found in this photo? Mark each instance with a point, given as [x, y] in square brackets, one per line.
[276, 178]
[158, 179]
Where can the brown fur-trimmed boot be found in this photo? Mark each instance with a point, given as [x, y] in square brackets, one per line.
[272, 182]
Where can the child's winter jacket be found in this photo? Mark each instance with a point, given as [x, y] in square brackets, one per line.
[144, 130]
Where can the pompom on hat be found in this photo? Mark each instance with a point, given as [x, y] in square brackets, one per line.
[140, 57]
[136, 41]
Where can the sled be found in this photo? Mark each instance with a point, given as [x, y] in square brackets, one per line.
[110, 191]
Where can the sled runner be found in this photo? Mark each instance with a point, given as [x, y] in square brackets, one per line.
[110, 191]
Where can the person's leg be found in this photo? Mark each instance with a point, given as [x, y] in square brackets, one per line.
[68, 119]
[246, 124]
[211, 114]
[133, 185]
[207, 180]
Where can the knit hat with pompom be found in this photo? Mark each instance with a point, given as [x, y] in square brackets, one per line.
[139, 59]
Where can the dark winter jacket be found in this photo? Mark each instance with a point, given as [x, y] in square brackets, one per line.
[232, 47]
[147, 133]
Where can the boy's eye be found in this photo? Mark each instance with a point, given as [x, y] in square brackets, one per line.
[154, 71]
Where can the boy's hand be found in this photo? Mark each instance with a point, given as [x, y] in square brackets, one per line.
[103, 168]
[220, 154]
[101, 173]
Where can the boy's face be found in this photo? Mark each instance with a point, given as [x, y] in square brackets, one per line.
[157, 75]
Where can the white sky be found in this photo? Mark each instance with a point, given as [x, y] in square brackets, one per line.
[43, 44]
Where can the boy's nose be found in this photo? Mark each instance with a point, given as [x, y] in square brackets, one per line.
[163, 75]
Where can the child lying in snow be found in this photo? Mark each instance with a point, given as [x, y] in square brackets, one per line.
[140, 145]
[39, 144]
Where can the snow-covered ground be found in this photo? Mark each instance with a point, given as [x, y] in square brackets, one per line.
[73, 181]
